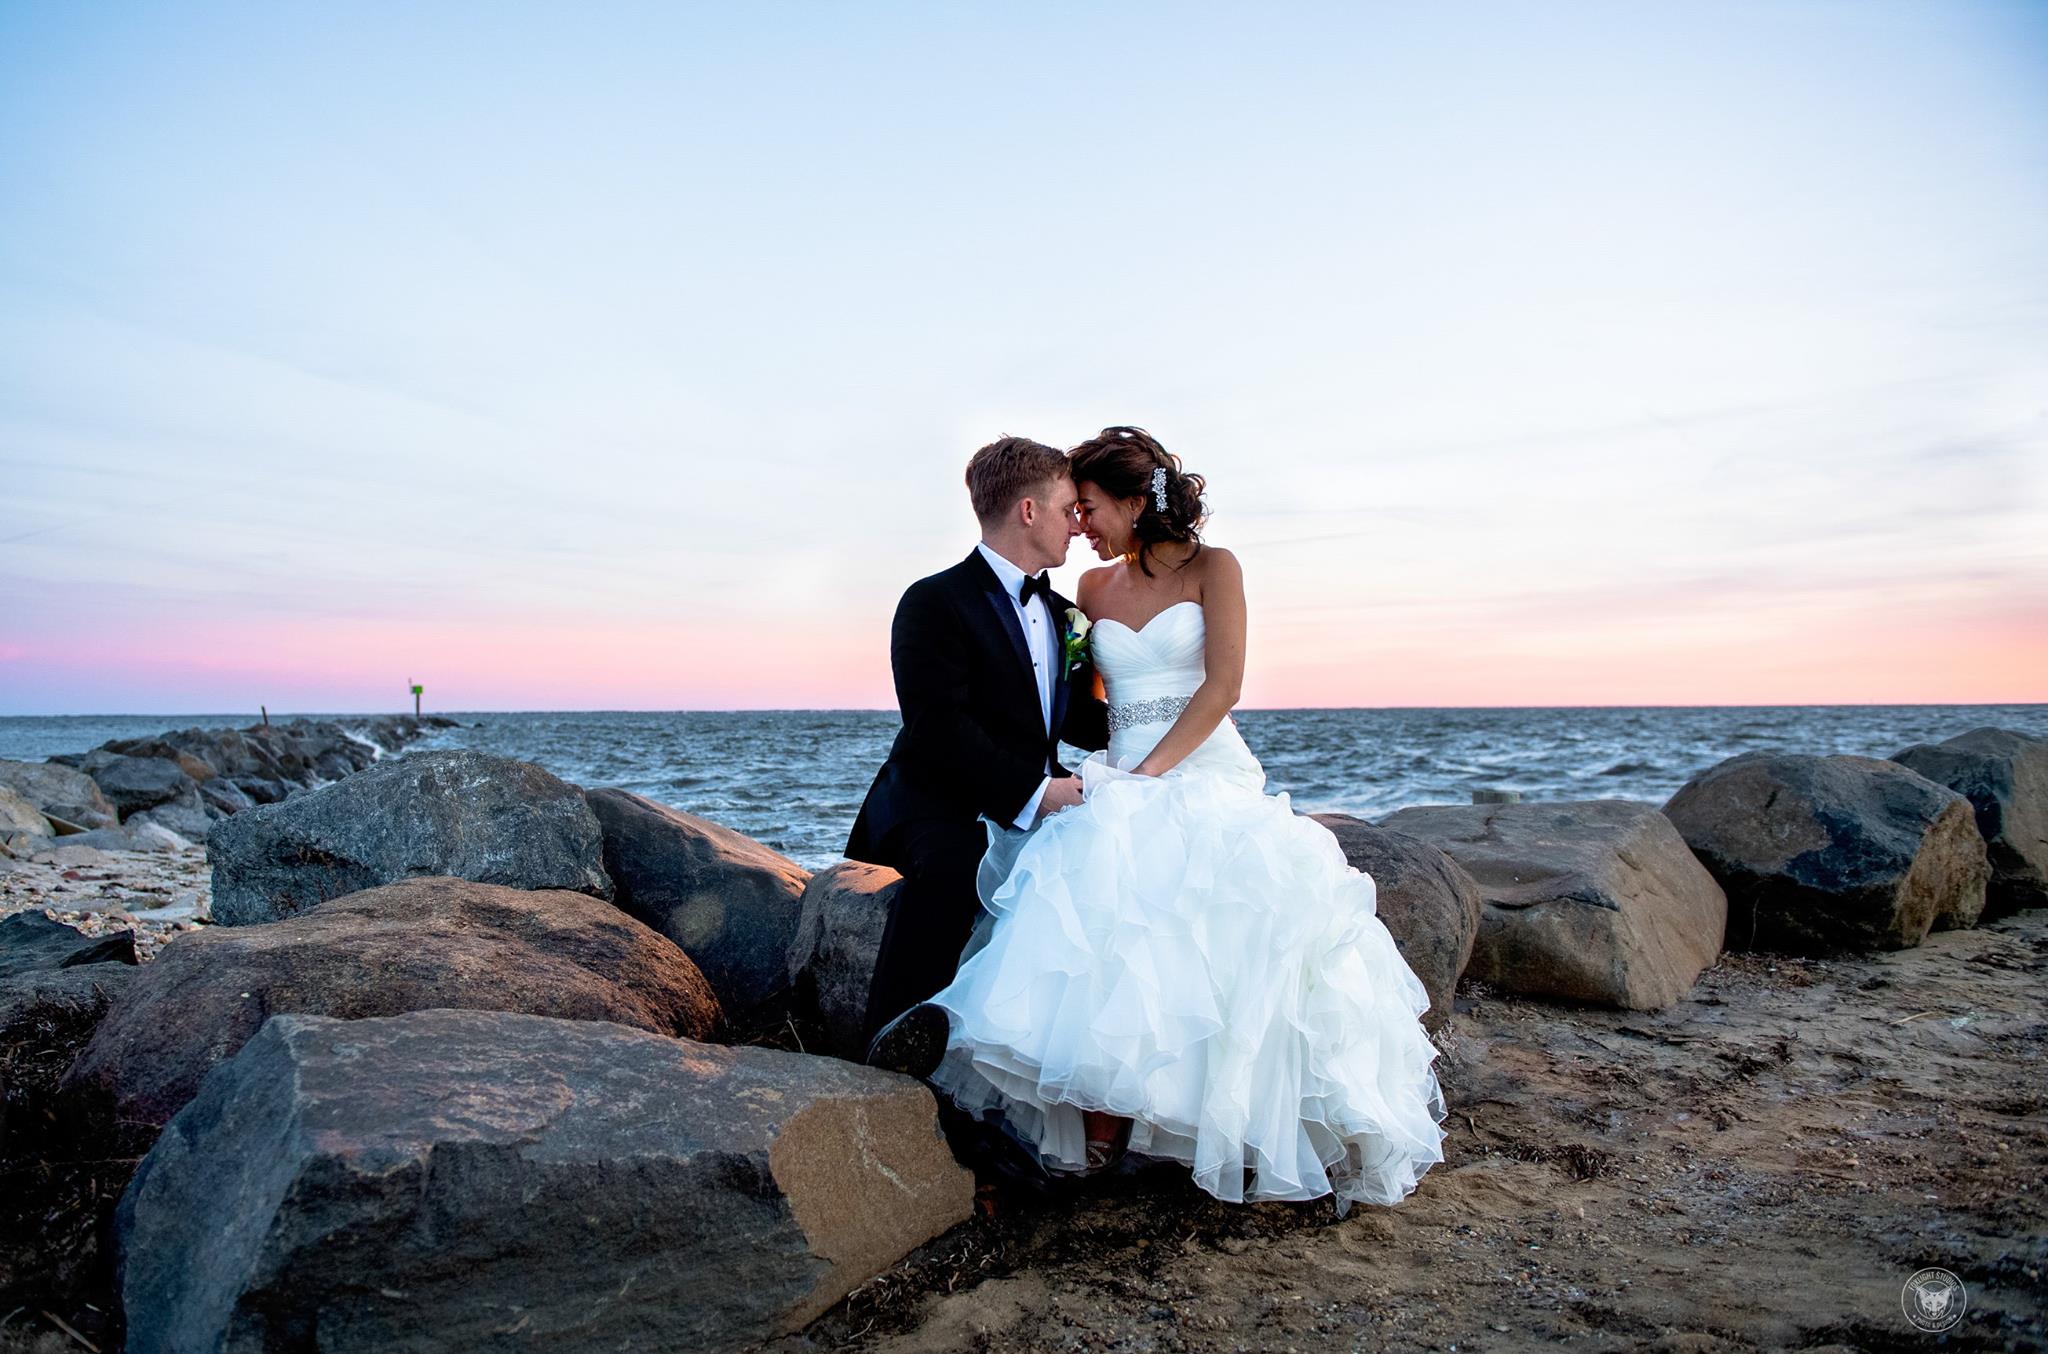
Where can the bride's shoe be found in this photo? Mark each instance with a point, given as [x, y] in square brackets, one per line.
[1108, 1139]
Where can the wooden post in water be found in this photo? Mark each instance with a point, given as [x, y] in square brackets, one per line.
[266, 715]
[416, 689]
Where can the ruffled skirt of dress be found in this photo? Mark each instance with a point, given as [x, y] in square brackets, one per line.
[1185, 951]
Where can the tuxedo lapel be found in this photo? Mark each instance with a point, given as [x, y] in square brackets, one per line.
[1006, 621]
[1006, 611]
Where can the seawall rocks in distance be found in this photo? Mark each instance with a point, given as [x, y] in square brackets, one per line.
[454, 812]
[832, 958]
[423, 943]
[460, 1180]
[223, 796]
[1588, 900]
[1426, 900]
[133, 784]
[19, 816]
[61, 792]
[2004, 775]
[189, 815]
[1830, 855]
[730, 902]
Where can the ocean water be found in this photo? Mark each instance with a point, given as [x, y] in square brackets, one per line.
[794, 779]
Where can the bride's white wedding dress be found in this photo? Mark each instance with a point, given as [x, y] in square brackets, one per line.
[1186, 951]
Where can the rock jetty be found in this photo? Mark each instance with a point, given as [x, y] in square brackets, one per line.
[483, 1057]
[185, 781]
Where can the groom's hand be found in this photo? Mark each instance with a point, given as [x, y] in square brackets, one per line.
[1063, 793]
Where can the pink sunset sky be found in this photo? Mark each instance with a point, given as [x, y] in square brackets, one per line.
[1604, 354]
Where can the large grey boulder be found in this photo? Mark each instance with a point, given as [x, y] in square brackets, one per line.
[2004, 775]
[1595, 901]
[832, 957]
[457, 1180]
[60, 791]
[730, 902]
[1426, 901]
[456, 812]
[1832, 855]
[423, 943]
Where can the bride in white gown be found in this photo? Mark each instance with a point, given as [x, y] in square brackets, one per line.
[1181, 957]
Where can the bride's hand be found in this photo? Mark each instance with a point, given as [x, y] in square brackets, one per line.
[1063, 793]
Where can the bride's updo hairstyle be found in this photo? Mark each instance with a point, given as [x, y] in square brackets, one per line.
[1120, 462]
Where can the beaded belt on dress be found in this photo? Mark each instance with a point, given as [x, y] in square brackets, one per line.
[1146, 712]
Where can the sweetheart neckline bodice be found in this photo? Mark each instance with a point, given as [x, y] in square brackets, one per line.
[1141, 629]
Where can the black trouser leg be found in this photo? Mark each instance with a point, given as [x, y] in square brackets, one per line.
[931, 918]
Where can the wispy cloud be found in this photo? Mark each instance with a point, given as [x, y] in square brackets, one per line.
[1594, 330]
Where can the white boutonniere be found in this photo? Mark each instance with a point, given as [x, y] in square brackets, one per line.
[1076, 644]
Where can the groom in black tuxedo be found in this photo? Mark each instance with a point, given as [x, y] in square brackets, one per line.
[979, 656]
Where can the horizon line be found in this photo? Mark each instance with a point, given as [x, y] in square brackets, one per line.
[890, 709]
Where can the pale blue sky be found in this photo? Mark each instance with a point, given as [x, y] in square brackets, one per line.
[1528, 349]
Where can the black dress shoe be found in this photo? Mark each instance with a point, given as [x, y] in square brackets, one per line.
[913, 1043]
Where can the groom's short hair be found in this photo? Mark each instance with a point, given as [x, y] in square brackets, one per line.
[1006, 470]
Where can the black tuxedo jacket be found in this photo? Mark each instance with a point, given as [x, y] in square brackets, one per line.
[973, 739]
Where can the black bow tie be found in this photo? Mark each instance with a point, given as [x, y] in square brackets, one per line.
[1037, 583]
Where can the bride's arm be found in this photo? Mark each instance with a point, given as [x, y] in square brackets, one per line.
[1223, 619]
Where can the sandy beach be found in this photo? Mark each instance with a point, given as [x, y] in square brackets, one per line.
[156, 894]
[1761, 1166]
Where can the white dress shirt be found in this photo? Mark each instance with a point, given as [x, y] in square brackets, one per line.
[1042, 641]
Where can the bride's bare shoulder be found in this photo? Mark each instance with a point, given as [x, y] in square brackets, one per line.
[1216, 566]
[1091, 583]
